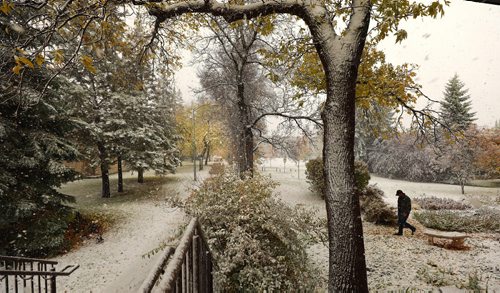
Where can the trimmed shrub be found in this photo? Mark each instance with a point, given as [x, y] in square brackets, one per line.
[482, 220]
[316, 179]
[258, 242]
[436, 203]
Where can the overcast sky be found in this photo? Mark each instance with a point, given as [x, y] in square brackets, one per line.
[465, 41]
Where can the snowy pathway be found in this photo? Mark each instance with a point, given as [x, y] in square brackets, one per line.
[119, 263]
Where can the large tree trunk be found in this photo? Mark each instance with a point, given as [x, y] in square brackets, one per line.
[340, 59]
[103, 157]
[347, 271]
[120, 174]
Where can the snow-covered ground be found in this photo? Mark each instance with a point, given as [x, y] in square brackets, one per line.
[119, 263]
[398, 263]
[394, 263]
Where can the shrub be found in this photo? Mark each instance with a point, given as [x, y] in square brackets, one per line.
[374, 208]
[51, 232]
[482, 220]
[217, 169]
[39, 234]
[436, 203]
[315, 177]
[361, 175]
[257, 241]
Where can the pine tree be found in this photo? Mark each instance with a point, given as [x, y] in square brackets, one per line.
[456, 107]
[34, 142]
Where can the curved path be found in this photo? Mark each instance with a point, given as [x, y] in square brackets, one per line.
[120, 262]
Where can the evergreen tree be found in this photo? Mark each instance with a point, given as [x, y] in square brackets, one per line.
[33, 143]
[456, 107]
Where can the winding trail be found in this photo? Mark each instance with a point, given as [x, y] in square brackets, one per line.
[120, 262]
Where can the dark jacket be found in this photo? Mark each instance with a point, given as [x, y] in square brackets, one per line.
[404, 205]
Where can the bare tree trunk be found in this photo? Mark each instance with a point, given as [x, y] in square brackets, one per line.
[462, 186]
[120, 174]
[245, 153]
[140, 175]
[347, 255]
[203, 156]
[208, 155]
[103, 156]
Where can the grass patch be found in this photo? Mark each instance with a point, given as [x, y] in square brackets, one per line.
[482, 220]
[87, 192]
[94, 215]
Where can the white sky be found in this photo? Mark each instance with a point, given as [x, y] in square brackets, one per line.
[465, 41]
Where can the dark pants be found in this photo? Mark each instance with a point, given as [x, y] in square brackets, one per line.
[403, 224]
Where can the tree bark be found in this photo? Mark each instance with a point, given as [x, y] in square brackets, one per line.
[340, 57]
[202, 156]
[120, 174]
[245, 149]
[208, 155]
[347, 270]
[103, 157]
[140, 175]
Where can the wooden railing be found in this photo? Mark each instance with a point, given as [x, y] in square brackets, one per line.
[188, 269]
[30, 274]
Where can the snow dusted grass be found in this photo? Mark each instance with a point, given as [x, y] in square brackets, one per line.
[400, 263]
[144, 222]
[394, 263]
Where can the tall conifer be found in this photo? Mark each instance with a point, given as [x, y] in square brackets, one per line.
[456, 107]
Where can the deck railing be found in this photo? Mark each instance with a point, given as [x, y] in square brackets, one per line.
[188, 269]
[30, 274]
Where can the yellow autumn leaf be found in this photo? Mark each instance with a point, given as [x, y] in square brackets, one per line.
[6, 7]
[58, 56]
[88, 63]
[16, 69]
[39, 59]
[25, 61]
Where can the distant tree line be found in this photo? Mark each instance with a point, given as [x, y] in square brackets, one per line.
[455, 153]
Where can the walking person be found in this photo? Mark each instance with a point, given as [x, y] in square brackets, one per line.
[404, 209]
